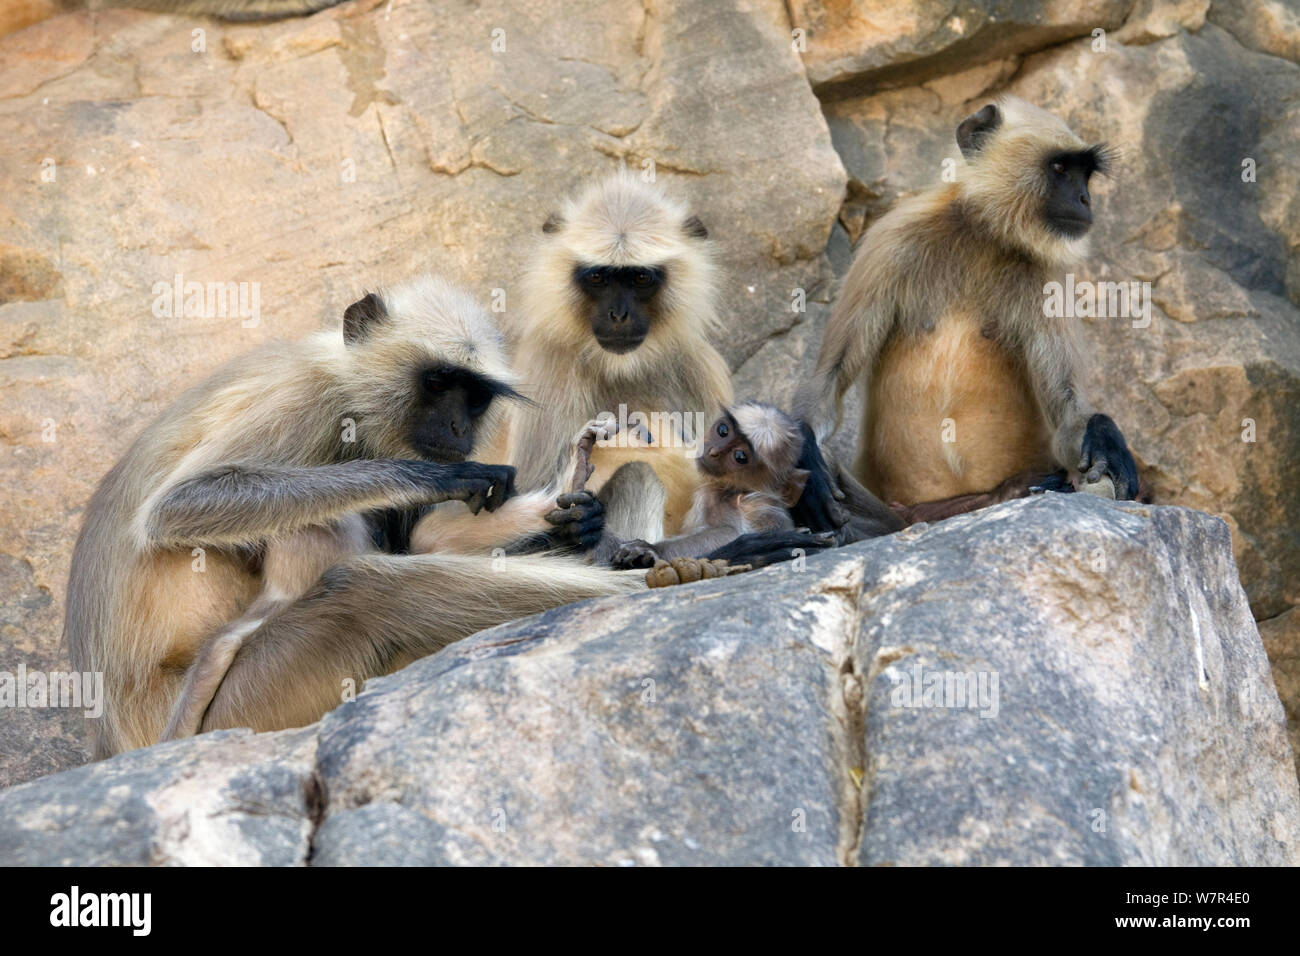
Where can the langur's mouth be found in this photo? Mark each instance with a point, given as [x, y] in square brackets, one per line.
[620, 344]
[1072, 226]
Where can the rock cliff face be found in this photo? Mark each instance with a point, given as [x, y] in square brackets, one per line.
[1056, 680]
[312, 158]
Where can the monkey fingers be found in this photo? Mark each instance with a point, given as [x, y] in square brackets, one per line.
[1105, 453]
[817, 506]
[635, 554]
[578, 521]
[479, 486]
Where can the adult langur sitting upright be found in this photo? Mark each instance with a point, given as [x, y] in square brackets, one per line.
[618, 308]
[968, 384]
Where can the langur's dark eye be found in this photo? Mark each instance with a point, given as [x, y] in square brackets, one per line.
[642, 278]
[741, 457]
[477, 399]
[723, 430]
[1058, 168]
[594, 278]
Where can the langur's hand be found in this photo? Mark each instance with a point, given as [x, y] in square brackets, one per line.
[578, 521]
[479, 486]
[635, 554]
[1106, 453]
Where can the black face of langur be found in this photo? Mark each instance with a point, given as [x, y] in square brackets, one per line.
[1067, 204]
[621, 303]
[448, 400]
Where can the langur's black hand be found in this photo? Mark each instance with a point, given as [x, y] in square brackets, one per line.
[479, 486]
[578, 521]
[1106, 453]
[816, 507]
[634, 554]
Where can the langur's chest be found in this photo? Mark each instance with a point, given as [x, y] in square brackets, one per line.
[951, 412]
[957, 365]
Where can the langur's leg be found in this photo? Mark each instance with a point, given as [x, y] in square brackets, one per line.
[291, 566]
[375, 613]
[1017, 486]
[762, 548]
[634, 500]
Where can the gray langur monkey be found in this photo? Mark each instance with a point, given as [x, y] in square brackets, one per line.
[238, 495]
[941, 317]
[617, 309]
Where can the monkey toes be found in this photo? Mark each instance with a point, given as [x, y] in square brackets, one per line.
[635, 554]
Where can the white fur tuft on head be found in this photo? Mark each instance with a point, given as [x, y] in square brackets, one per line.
[774, 435]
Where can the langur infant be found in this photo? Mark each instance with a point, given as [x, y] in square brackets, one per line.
[750, 479]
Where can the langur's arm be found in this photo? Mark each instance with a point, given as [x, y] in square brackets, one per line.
[1083, 440]
[753, 514]
[238, 504]
[1051, 364]
[696, 544]
[869, 517]
[861, 322]
[816, 508]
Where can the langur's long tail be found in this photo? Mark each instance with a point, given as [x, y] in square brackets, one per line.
[222, 9]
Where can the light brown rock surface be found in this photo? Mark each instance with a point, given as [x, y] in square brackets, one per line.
[322, 156]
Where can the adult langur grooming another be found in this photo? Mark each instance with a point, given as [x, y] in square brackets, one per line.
[941, 317]
[251, 484]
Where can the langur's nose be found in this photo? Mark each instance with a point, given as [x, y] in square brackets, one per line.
[617, 317]
[1083, 198]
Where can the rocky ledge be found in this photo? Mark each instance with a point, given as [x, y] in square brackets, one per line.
[1058, 680]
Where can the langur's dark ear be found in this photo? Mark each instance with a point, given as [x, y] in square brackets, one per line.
[553, 223]
[361, 316]
[793, 489]
[974, 130]
[695, 229]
